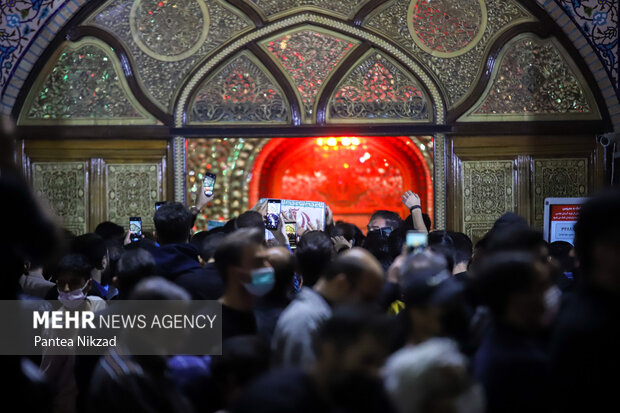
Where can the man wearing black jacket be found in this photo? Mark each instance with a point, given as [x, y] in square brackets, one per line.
[176, 258]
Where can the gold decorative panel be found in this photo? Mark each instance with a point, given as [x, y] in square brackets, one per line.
[557, 178]
[231, 159]
[166, 39]
[488, 192]
[242, 91]
[446, 27]
[455, 51]
[132, 190]
[378, 89]
[308, 56]
[84, 84]
[63, 186]
[275, 8]
[534, 79]
[186, 23]
[290, 23]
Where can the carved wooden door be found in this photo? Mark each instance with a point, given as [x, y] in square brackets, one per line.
[87, 182]
[488, 176]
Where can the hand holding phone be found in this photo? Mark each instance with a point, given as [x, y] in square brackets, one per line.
[208, 183]
[416, 241]
[135, 229]
[290, 228]
[272, 219]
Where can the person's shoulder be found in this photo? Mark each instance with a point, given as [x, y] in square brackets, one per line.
[96, 303]
[307, 305]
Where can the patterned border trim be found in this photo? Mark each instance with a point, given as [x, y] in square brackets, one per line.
[583, 45]
[214, 60]
[178, 149]
[439, 180]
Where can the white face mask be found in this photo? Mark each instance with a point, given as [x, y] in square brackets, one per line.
[263, 280]
[73, 299]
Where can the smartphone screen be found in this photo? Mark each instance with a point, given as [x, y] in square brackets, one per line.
[208, 183]
[273, 214]
[135, 228]
[290, 227]
[416, 240]
[159, 204]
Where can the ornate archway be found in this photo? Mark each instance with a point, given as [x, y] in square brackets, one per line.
[354, 175]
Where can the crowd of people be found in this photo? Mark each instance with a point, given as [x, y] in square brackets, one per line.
[343, 322]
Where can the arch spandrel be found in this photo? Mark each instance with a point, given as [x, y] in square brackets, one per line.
[83, 84]
[242, 91]
[377, 89]
[534, 79]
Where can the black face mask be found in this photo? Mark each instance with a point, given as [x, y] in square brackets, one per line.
[377, 241]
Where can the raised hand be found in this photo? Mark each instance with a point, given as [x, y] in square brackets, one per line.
[410, 199]
[341, 243]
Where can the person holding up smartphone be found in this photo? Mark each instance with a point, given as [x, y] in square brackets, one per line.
[203, 196]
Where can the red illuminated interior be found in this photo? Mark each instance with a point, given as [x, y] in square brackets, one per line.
[355, 176]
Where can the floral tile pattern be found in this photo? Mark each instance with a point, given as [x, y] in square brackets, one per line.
[598, 21]
[20, 21]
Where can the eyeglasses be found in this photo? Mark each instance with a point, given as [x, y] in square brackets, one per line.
[384, 231]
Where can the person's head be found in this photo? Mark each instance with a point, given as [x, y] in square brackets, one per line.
[509, 220]
[597, 244]
[314, 252]
[442, 243]
[73, 280]
[250, 219]
[382, 219]
[93, 247]
[110, 231]
[377, 242]
[283, 263]
[513, 285]
[428, 290]
[209, 245]
[241, 260]
[564, 254]
[173, 223]
[431, 377]
[463, 248]
[158, 288]
[350, 231]
[353, 276]
[132, 267]
[350, 349]
[519, 238]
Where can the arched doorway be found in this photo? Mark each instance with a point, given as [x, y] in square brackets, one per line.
[355, 176]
